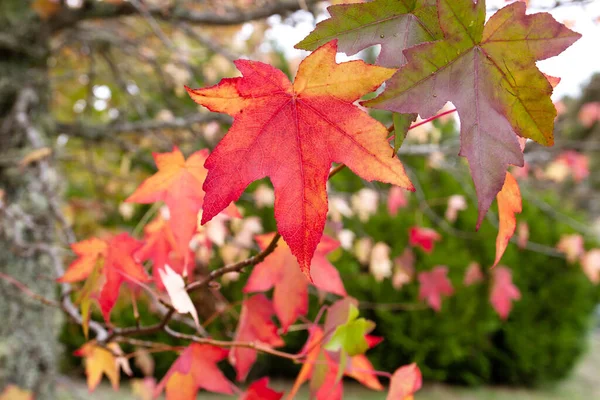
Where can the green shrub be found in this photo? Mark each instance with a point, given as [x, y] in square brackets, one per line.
[465, 343]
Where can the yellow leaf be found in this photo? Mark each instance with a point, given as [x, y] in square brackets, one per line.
[12, 392]
[45, 8]
[100, 360]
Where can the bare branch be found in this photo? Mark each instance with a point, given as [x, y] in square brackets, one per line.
[97, 132]
[69, 17]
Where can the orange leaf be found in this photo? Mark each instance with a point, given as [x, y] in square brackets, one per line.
[281, 270]
[178, 183]
[195, 369]
[118, 266]
[509, 204]
[405, 382]
[292, 133]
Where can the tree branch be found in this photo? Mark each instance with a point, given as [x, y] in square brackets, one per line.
[98, 132]
[69, 17]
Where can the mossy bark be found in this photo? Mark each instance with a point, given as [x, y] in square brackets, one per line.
[29, 348]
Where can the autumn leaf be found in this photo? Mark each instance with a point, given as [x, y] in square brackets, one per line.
[473, 274]
[350, 335]
[396, 200]
[259, 390]
[292, 133]
[160, 247]
[405, 382]
[180, 299]
[255, 325]
[424, 238]
[12, 392]
[509, 204]
[281, 271]
[322, 369]
[434, 285]
[195, 369]
[503, 291]
[178, 183]
[571, 246]
[590, 263]
[404, 269]
[88, 252]
[143, 389]
[118, 266]
[489, 74]
[395, 25]
[45, 8]
[100, 360]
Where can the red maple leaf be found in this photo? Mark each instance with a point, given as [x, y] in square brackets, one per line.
[195, 369]
[281, 270]
[434, 285]
[259, 390]
[118, 266]
[292, 133]
[423, 238]
[255, 325]
[178, 183]
[160, 247]
[509, 204]
[503, 291]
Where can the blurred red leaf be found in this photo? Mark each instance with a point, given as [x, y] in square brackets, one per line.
[255, 325]
[503, 291]
[589, 114]
[473, 274]
[259, 390]
[281, 271]
[195, 369]
[424, 238]
[396, 199]
[160, 247]
[434, 285]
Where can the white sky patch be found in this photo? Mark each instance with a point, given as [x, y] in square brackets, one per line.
[575, 66]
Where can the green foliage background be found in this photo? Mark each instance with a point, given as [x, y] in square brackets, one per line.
[466, 343]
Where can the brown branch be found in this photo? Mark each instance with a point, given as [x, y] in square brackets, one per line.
[68, 17]
[98, 132]
[223, 343]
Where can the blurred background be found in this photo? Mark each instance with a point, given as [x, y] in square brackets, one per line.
[89, 89]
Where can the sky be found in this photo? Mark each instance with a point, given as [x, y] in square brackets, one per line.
[575, 66]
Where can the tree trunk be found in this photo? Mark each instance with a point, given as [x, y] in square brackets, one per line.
[29, 349]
